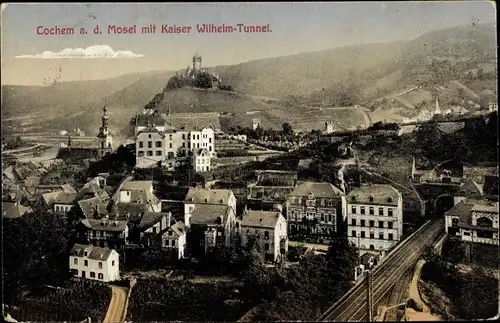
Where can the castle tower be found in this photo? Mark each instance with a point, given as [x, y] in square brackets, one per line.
[196, 63]
[328, 126]
[255, 124]
[104, 137]
[438, 109]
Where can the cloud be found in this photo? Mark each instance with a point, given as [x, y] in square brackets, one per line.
[96, 51]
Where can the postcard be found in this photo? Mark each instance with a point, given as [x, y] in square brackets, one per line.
[251, 161]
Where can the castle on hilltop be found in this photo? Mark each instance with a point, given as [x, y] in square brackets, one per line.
[193, 73]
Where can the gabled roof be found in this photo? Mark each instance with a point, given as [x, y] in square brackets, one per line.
[149, 219]
[12, 210]
[210, 196]
[151, 129]
[179, 228]
[382, 194]
[105, 224]
[471, 188]
[94, 253]
[50, 197]
[208, 214]
[70, 155]
[460, 209]
[93, 206]
[318, 189]
[261, 219]
[65, 198]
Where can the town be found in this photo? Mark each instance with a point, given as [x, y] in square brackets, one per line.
[192, 216]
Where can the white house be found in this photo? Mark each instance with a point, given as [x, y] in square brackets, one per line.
[150, 147]
[174, 240]
[269, 228]
[140, 192]
[201, 160]
[474, 220]
[207, 196]
[96, 263]
[64, 202]
[159, 141]
[375, 216]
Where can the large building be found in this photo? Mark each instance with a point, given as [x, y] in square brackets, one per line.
[158, 141]
[313, 211]
[210, 215]
[375, 216]
[269, 229]
[95, 263]
[474, 220]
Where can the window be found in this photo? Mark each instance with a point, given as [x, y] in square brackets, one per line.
[149, 136]
[100, 265]
[330, 203]
[380, 211]
[389, 200]
[75, 261]
[112, 263]
[389, 212]
[390, 225]
[372, 223]
[210, 148]
[353, 221]
[362, 234]
[266, 246]
[154, 229]
[391, 236]
[362, 210]
[158, 144]
[353, 209]
[170, 137]
[466, 233]
[372, 211]
[85, 263]
[362, 223]
[100, 276]
[141, 144]
[150, 153]
[158, 153]
[380, 224]
[266, 234]
[322, 217]
[150, 144]
[210, 140]
[183, 136]
[353, 198]
[140, 153]
[381, 235]
[92, 274]
[86, 253]
[170, 146]
[353, 233]
[372, 235]
[371, 198]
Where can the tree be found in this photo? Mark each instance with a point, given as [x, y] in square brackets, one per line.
[287, 129]
[429, 138]
[204, 81]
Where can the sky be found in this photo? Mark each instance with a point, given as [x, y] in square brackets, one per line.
[295, 28]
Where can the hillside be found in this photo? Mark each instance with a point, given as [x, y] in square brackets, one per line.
[367, 69]
[452, 63]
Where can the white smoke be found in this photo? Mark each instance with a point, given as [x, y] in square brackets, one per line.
[96, 51]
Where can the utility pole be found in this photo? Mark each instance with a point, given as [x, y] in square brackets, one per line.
[369, 295]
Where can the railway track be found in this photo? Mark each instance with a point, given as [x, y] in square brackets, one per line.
[399, 293]
[353, 306]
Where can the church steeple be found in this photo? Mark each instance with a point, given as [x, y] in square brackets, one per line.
[104, 136]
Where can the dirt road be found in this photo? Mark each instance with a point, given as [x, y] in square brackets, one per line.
[116, 310]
